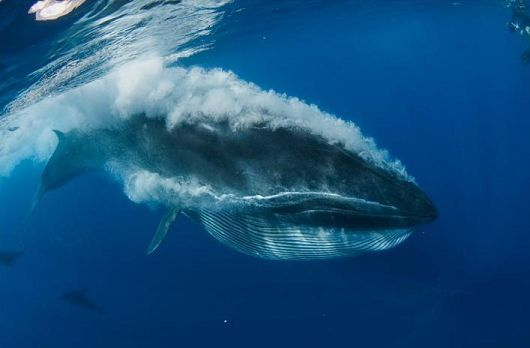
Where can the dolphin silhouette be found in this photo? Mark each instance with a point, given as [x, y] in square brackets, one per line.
[273, 192]
[79, 298]
[8, 257]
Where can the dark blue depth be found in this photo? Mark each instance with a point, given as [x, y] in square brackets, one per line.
[441, 87]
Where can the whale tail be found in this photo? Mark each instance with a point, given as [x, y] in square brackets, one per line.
[67, 161]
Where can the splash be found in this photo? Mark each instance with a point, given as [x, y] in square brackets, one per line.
[113, 33]
[265, 173]
[178, 95]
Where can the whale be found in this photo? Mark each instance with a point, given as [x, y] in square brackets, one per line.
[278, 193]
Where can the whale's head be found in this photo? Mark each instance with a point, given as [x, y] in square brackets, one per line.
[378, 211]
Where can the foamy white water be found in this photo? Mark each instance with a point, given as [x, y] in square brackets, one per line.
[147, 86]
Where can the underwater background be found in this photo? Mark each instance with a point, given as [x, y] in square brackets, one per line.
[440, 84]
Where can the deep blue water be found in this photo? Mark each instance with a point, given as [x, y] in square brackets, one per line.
[440, 86]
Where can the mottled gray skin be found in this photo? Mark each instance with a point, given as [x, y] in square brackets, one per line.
[253, 161]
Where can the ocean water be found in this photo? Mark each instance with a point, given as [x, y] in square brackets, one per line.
[439, 84]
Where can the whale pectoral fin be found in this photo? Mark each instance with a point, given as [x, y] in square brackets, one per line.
[165, 224]
[35, 201]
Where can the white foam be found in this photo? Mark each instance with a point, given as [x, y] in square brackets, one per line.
[179, 95]
[112, 33]
[142, 186]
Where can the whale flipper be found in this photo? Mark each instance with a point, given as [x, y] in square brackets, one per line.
[37, 196]
[165, 224]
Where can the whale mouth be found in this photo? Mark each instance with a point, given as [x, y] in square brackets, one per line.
[312, 225]
[333, 210]
[369, 216]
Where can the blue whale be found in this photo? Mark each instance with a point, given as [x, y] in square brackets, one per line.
[279, 193]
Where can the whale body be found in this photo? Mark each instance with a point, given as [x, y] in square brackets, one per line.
[272, 192]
